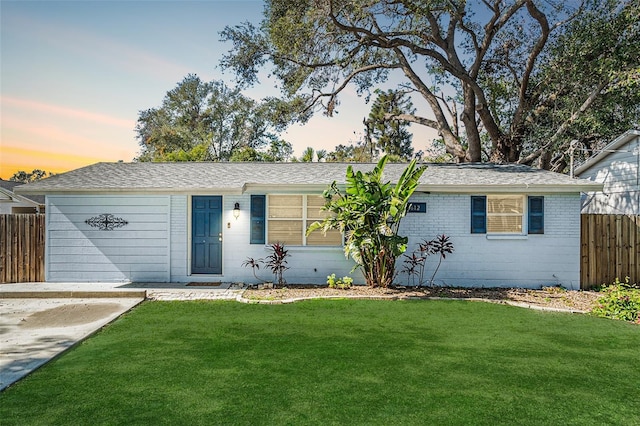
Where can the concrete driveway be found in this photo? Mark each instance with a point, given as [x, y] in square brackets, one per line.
[33, 331]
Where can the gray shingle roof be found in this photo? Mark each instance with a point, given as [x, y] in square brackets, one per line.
[195, 177]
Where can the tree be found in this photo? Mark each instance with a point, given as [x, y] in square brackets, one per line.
[203, 121]
[307, 155]
[368, 212]
[279, 151]
[321, 155]
[341, 154]
[390, 135]
[246, 153]
[25, 177]
[589, 86]
[478, 65]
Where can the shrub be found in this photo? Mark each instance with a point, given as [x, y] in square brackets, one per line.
[254, 264]
[619, 301]
[414, 265]
[341, 283]
[276, 261]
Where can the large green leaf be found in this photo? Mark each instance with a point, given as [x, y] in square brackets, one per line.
[369, 212]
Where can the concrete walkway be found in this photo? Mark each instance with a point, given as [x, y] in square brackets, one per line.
[154, 291]
[39, 321]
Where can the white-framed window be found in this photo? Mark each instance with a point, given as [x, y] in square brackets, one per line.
[289, 216]
[504, 214]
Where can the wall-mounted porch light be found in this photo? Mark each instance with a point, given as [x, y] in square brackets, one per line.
[236, 210]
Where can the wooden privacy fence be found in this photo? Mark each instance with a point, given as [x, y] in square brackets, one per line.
[610, 249]
[21, 248]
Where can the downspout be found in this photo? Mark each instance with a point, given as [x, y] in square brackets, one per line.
[572, 148]
[169, 230]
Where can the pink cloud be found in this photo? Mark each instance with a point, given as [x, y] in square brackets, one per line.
[66, 111]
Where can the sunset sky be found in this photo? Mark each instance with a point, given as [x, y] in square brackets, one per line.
[75, 74]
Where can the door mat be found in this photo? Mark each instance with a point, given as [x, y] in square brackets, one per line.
[214, 284]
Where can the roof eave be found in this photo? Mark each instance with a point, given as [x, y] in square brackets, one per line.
[138, 191]
[254, 188]
[261, 188]
[519, 188]
[18, 198]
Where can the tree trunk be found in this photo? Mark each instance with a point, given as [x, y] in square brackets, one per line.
[451, 141]
[506, 150]
[379, 269]
[471, 129]
[544, 162]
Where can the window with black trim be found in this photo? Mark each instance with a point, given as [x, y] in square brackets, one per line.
[504, 214]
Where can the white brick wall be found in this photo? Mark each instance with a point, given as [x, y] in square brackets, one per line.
[146, 250]
[531, 261]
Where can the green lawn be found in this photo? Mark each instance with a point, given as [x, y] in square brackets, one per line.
[339, 362]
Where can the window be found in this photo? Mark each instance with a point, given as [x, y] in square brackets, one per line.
[536, 215]
[503, 214]
[257, 219]
[291, 215]
[478, 215]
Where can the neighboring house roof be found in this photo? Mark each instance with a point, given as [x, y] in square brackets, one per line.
[7, 194]
[611, 148]
[235, 177]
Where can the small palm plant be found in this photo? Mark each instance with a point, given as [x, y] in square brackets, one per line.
[255, 265]
[276, 261]
[441, 246]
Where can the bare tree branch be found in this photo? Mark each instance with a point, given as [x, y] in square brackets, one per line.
[565, 125]
[451, 141]
[516, 123]
[334, 93]
[411, 118]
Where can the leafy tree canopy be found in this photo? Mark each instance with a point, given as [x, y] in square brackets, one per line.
[26, 177]
[278, 151]
[352, 153]
[207, 121]
[588, 88]
[505, 80]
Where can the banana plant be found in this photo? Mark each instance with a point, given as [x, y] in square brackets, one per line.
[368, 212]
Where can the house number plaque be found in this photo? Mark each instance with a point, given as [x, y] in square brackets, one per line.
[106, 222]
[417, 208]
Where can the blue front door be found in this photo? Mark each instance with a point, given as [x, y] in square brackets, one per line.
[206, 235]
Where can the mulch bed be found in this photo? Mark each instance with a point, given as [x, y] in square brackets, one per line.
[550, 297]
